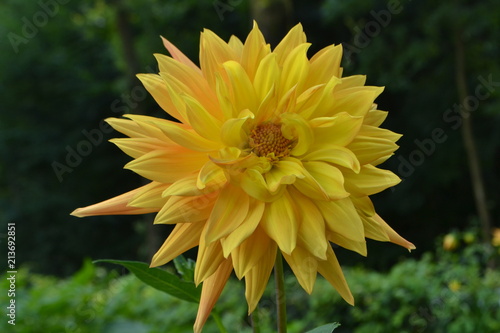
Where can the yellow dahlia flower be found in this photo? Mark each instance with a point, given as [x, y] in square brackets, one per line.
[273, 151]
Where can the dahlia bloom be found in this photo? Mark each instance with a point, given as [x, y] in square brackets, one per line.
[272, 151]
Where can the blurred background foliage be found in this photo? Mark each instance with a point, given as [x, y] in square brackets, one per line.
[67, 65]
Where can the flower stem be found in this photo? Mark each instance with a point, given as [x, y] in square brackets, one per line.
[218, 321]
[279, 278]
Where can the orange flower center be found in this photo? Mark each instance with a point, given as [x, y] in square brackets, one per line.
[267, 139]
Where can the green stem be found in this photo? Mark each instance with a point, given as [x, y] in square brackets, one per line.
[256, 320]
[218, 321]
[279, 278]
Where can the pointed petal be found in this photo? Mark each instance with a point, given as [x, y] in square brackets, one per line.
[295, 69]
[332, 272]
[254, 50]
[369, 180]
[338, 155]
[228, 213]
[167, 167]
[240, 87]
[349, 244]
[280, 223]
[249, 253]
[305, 266]
[184, 237]
[294, 38]
[150, 196]
[186, 209]
[393, 235]
[252, 220]
[178, 55]
[325, 64]
[341, 217]
[257, 278]
[208, 260]
[212, 288]
[213, 53]
[328, 177]
[339, 130]
[114, 206]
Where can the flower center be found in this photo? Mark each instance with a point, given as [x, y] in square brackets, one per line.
[267, 139]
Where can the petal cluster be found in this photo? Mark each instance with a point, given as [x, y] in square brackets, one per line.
[272, 151]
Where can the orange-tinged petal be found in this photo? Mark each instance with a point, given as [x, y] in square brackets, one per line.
[114, 206]
[179, 134]
[213, 53]
[332, 272]
[188, 186]
[212, 288]
[149, 196]
[184, 237]
[155, 85]
[228, 213]
[136, 147]
[208, 260]
[178, 55]
[185, 209]
[280, 223]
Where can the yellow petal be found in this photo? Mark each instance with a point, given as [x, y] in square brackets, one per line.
[369, 180]
[240, 87]
[393, 235]
[370, 149]
[295, 68]
[136, 147]
[249, 253]
[179, 134]
[257, 278]
[166, 167]
[184, 237]
[212, 288]
[373, 229]
[325, 64]
[210, 172]
[267, 76]
[149, 196]
[280, 223]
[304, 266]
[364, 205]
[114, 206]
[213, 53]
[332, 272]
[155, 85]
[245, 229]
[254, 50]
[375, 117]
[254, 184]
[178, 55]
[208, 260]
[328, 177]
[349, 244]
[312, 233]
[294, 38]
[356, 101]
[201, 120]
[228, 213]
[234, 132]
[336, 155]
[284, 172]
[339, 130]
[186, 209]
[294, 127]
[341, 217]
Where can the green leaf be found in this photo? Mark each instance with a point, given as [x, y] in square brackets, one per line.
[185, 267]
[328, 328]
[160, 279]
